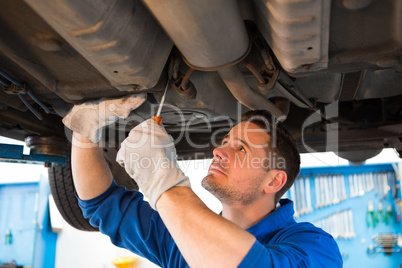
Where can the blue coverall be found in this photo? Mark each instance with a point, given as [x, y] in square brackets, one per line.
[131, 223]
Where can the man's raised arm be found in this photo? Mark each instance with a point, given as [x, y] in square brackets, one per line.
[91, 174]
[204, 238]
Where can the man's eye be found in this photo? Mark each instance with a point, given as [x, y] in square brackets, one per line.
[241, 148]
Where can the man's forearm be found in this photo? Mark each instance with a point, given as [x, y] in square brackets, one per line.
[91, 174]
[204, 238]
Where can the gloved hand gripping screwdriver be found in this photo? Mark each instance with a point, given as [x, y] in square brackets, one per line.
[157, 117]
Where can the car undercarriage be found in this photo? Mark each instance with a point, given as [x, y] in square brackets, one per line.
[331, 70]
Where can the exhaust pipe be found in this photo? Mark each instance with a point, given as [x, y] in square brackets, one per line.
[250, 98]
[212, 36]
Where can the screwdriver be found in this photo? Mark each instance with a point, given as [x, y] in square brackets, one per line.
[157, 117]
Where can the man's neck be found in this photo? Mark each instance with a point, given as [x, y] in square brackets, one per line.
[246, 216]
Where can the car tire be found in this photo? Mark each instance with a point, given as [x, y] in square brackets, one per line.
[63, 192]
[63, 189]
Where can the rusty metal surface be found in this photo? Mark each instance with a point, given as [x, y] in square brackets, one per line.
[53, 146]
[297, 32]
[119, 38]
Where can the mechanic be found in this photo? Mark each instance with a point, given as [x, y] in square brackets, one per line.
[175, 228]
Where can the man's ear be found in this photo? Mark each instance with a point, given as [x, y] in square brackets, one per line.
[276, 182]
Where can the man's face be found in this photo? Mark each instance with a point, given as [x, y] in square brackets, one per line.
[237, 174]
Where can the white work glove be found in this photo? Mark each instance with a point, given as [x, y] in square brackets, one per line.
[149, 157]
[90, 117]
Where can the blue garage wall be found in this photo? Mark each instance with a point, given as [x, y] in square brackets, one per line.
[354, 250]
[24, 210]
[17, 214]
[45, 242]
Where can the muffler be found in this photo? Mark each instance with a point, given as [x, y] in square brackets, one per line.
[210, 34]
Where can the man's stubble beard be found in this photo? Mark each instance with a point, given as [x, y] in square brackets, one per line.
[230, 196]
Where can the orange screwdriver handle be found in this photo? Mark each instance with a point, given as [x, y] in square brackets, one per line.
[157, 119]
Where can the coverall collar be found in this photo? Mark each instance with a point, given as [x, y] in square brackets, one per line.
[273, 221]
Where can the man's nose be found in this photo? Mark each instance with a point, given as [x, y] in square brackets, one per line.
[219, 153]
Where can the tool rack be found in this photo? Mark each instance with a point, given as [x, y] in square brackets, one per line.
[358, 206]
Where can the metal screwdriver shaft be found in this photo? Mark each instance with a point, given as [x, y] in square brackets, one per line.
[157, 117]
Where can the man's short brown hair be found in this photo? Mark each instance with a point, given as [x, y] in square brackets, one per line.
[281, 144]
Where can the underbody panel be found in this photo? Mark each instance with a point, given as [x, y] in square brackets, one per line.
[330, 70]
